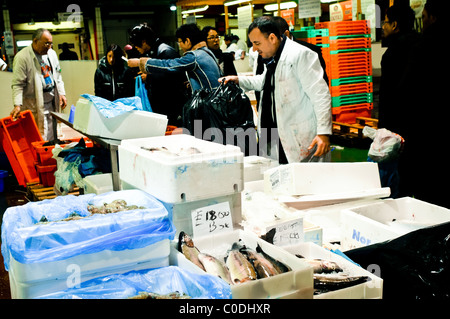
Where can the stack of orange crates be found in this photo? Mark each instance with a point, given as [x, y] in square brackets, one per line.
[346, 49]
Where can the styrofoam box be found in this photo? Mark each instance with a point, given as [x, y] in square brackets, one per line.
[255, 166]
[297, 283]
[261, 212]
[133, 124]
[321, 178]
[33, 280]
[388, 219]
[175, 175]
[372, 289]
[98, 184]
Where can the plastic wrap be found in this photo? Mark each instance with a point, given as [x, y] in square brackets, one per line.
[29, 241]
[161, 281]
[117, 107]
[413, 266]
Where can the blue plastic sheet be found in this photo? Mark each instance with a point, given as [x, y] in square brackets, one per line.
[161, 281]
[117, 107]
[29, 242]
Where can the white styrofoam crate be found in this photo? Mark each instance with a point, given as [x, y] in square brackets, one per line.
[98, 184]
[372, 289]
[37, 279]
[297, 283]
[184, 169]
[388, 219]
[89, 120]
[321, 178]
[255, 166]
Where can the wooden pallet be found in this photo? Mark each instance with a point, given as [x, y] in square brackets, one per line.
[37, 192]
[354, 130]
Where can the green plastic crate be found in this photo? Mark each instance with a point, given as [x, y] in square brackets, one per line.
[312, 33]
[337, 101]
[351, 80]
[350, 50]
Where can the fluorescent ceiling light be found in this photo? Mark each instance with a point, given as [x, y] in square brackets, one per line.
[283, 6]
[234, 2]
[24, 43]
[195, 10]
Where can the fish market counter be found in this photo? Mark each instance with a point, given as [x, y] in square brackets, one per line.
[109, 143]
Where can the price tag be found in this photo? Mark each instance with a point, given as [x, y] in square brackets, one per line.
[212, 219]
[288, 233]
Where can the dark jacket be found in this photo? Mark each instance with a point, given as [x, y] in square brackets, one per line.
[394, 64]
[113, 83]
[199, 63]
[167, 92]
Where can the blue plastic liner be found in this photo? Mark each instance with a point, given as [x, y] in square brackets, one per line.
[29, 242]
[161, 281]
[117, 107]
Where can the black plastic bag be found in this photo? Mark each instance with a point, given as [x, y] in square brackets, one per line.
[413, 266]
[226, 116]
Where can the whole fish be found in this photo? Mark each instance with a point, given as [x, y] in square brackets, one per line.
[330, 283]
[323, 266]
[215, 267]
[241, 270]
[187, 248]
[279, 266]
[264, 268]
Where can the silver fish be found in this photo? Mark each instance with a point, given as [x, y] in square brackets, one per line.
[323, 266]
[241, 270]
[187, 248]
[330, 283]
[279, 266]
[264, 268]
[215, 267]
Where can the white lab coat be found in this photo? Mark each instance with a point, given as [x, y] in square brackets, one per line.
[302, 100]
[27, 87]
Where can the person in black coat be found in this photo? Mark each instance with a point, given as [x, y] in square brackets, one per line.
[167, 92]
[399, 37]
[226, 59]
[113, 79]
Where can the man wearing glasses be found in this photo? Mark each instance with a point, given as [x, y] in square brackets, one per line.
[226, 60]
[37, 83]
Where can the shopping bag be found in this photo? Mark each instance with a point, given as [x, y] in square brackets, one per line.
[141, 92]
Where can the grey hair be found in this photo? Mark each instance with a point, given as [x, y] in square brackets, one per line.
[37, 34]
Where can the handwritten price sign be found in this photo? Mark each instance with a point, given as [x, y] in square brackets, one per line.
[212, 219]
[288, 233]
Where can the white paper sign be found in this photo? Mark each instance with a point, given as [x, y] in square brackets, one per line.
[288, 233]
[309, 9]
[212, 219]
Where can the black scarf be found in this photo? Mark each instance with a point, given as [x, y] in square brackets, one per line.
[268, 111]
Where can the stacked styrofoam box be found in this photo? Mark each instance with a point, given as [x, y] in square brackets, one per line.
[185, 173]
[372, 289]
[255, 166]
[33, 279]
[89, 120]
[297, 284]
[376, 222]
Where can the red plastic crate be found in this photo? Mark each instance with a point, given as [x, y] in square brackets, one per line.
[43, 154]
[16, 137]
[349, 113]
[46, 174]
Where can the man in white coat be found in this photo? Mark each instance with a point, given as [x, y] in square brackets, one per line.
[37, 83]
[295, 107]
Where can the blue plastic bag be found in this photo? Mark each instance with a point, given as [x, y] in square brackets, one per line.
[114, 108]
[141, 92]
[161, 281]
[29, 242]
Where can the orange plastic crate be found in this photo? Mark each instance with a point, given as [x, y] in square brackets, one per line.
[43, 154]
[16, 137]
[316, 40]
[351, 89]
[46, 174]
[350, 43]
[349, 113]
[345, 27]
